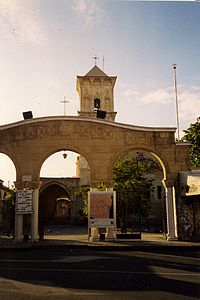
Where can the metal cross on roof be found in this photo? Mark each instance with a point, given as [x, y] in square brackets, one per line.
[95, 59]
[65, 104]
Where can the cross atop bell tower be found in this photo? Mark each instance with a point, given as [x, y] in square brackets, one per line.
[96, 85]
[95, 60]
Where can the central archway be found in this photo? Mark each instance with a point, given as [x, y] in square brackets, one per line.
[60, 208]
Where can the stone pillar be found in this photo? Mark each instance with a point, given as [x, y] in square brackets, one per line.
[18, 236]
[171, 213]
[34, 216]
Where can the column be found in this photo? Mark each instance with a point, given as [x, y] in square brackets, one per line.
[18, 237]
[171, 214]
[34, 216]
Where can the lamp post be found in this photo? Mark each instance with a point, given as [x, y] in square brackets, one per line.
[176, 95]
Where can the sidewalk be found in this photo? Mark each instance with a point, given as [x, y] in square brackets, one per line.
[66, 237]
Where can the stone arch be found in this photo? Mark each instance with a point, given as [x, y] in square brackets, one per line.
[156, 220]
[48, 206]
[159, 158]
[54, 150]
[54, 182]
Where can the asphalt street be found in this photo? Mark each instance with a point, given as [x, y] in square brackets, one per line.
[83, 274]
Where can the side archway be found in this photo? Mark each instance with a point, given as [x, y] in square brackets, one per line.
[133, 150]
[151, 217]
[168, 204]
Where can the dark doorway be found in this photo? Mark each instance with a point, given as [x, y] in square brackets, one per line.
[54, 206]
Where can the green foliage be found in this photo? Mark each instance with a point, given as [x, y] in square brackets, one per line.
[6, 210]
[192, 134]
[83, 193]
[101, 186]
[133, 187]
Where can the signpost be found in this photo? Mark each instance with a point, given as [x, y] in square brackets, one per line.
[24, 200]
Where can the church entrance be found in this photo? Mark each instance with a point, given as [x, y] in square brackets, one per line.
[54, 205]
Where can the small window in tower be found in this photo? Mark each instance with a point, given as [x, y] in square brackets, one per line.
[97, 103]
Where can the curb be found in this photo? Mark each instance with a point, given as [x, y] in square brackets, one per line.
[145, 246]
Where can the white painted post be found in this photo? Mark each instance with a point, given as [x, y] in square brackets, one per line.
[34, 216]
[18, 237]
[171, 214]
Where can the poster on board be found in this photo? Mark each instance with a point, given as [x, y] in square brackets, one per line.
[24, 200]
[101, 209]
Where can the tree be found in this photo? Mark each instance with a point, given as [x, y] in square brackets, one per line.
[192, 134]
[8, 212]
[83, 193]
[133, 187]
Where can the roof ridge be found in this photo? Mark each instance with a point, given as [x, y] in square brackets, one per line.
[96, 71]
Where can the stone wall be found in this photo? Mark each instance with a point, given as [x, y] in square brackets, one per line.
[188, 215]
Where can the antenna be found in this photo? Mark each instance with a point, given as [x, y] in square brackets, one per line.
[103, 62]
[176, 95]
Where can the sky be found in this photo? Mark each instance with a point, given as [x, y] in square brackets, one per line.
[45, 44]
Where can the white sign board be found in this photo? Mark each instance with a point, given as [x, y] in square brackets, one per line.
[189, 184]
[101, 209]
[24, 201]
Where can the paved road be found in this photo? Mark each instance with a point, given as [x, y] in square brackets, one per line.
[47, 274]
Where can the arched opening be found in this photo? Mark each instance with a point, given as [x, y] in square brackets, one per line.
[54, 205]
[7, 195]
[150, 217]
[60, 208]
[7, 171]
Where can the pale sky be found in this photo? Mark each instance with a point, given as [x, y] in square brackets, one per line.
[45, 44]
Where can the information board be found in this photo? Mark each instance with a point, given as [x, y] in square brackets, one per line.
[24, 201]
[189, 184]
[101, 209]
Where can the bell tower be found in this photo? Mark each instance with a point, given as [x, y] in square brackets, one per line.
[96, 94]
